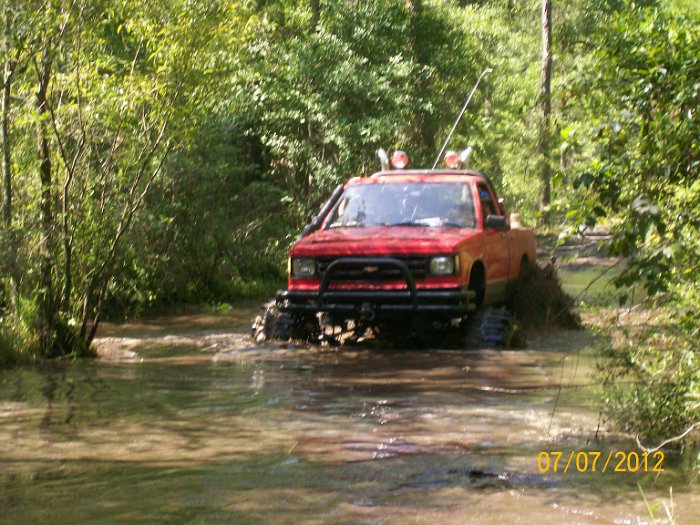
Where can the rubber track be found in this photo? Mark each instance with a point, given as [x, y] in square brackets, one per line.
[490, 327]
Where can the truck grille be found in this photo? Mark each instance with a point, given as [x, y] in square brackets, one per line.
[417, 264]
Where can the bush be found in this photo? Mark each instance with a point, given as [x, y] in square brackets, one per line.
[15, 346]
[7, 350]
[650, 373]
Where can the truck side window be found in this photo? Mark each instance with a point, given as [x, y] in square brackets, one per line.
[488, 207]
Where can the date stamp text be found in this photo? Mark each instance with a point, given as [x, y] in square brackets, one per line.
[596, 461]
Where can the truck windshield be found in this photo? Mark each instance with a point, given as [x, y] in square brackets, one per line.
[423, 204]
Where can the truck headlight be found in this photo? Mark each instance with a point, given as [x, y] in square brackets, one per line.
[442, 265]
[303, 267]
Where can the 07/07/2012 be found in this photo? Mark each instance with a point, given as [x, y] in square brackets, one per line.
[588, 461]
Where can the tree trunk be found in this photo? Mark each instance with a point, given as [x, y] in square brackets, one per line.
[546, 109]
[8, 69]
[421, 136]
[4, 136]
[315, 14]
[47, 311]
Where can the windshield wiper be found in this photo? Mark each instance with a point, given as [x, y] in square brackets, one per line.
[409, 223]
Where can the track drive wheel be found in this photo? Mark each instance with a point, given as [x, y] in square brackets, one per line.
[492, 327]
[272, 325]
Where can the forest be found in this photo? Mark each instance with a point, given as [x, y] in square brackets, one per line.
[157, 154]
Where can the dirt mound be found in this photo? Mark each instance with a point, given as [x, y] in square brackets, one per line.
[539, 302]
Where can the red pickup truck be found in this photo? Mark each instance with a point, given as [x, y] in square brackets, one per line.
[397, 247]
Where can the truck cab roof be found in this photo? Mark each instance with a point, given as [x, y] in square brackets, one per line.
[418, 175]
[427, 172]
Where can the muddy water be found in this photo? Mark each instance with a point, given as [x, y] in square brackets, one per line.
[182, 420]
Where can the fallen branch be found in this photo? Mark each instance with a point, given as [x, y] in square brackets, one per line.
[668, 441]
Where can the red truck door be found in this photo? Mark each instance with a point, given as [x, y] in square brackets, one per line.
[496, 247]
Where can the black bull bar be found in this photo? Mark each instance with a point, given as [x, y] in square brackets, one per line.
[369, 303]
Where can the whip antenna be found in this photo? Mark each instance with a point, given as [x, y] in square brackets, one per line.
[461, 113]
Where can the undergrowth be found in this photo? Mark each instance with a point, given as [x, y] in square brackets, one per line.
[15, 344]
[650, 374]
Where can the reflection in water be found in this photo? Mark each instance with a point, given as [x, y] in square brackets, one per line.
[201, 427]
[48, 390]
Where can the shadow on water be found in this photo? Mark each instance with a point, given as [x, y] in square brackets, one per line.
[197, 425]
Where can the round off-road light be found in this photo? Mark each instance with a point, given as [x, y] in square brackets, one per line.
[303, 267]
[452, 160]
[399, 159]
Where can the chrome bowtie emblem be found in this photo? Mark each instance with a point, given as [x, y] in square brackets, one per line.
[370, 269]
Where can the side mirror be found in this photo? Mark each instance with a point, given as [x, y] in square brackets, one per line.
[496, 221]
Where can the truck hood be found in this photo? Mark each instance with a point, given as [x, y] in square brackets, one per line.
[381, 240]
